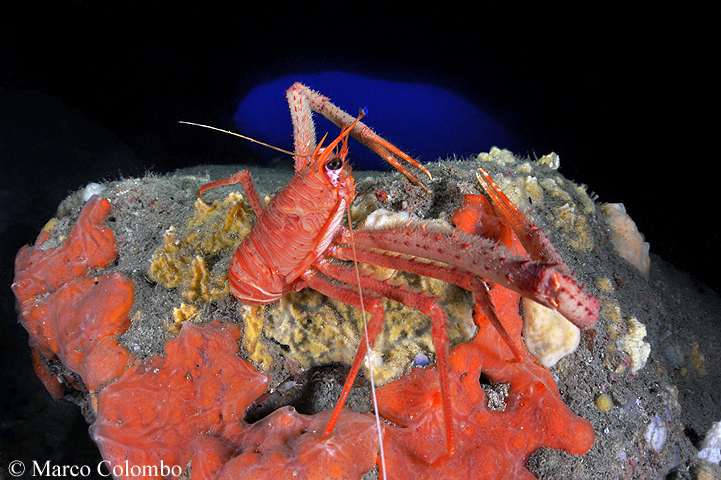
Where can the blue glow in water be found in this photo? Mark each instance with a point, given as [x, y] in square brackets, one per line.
[424, 121]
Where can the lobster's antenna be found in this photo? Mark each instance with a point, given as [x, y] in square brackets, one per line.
[368, 346]
[241, 136]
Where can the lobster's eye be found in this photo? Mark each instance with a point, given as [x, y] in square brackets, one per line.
[334, 163]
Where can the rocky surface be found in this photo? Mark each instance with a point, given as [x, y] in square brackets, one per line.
[656, 392]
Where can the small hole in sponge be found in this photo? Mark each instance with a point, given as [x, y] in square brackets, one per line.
[495, 392]
[312, 391]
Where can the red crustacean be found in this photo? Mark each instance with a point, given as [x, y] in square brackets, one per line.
[300, 230]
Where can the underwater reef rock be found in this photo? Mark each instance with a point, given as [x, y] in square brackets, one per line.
[141, 331]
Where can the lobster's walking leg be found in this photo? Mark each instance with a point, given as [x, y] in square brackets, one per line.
[242, 177]
[483, 305]
[559, 289]
[538, 281]
[466, 280]
[372, 304]
[418, 301]
[303, 125]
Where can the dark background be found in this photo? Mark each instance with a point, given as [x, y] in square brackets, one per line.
[622, 94]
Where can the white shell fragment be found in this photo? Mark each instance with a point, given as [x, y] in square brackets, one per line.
[632, 343]
[656, 434]
[92, 189]
[711, 446]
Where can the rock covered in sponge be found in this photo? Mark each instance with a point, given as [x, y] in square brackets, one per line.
[197, 389]
[287, 444]
[187, 255]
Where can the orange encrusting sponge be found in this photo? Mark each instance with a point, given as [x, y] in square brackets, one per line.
[70, 317]
[189, 406]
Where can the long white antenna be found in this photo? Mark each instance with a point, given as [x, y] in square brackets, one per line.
[368, 350]
[241, 136]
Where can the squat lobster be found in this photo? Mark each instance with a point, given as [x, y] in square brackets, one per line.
[300, 230]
